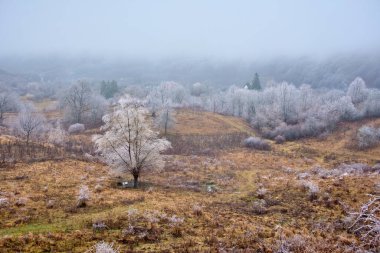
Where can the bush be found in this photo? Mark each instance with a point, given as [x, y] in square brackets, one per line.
[279, 139]
[256, 143]
[76, 128]
[367, 223]
[83, 196]
[4, 202]
[367, 137]
[103, 247]
[313, 189]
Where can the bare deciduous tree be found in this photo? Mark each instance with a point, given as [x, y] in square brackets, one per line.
[77, 101]
[29, 123]
[165, 119]
[8, 103]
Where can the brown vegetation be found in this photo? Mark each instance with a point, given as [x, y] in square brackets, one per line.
[233, 199]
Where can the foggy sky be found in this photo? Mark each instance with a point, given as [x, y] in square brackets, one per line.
[193, 28]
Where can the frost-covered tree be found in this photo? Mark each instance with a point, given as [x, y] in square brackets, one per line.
[128, 143]
[165, 119]
[197, 89]
[357, 91]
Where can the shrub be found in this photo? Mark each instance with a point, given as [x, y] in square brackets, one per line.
[21, 202]
[4, 202]
[76, 128]
[279, 139]
[313, 189]
[197, 210]
[103, 247]
[256, 143]
[259, 207]
[261, 193]
[367, 223]
[98, 188]
[83, 196]
[367, 137]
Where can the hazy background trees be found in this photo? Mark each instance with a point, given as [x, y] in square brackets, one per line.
[30, 124]
[83, 105]
[8, 103]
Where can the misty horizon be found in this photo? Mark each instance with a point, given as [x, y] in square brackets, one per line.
[243, 30]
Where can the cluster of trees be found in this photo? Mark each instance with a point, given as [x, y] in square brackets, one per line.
[279, 110]
[82, 105]
[282, 109]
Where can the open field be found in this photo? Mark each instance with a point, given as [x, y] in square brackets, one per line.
[197, 203]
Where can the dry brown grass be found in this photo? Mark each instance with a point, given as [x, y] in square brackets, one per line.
[223, 185]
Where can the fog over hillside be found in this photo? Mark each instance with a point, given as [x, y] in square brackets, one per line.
[331, 72]
[323, 43]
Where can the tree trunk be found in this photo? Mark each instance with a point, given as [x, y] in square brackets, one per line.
[135, 181]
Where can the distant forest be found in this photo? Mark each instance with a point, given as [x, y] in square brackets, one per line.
[332, 72]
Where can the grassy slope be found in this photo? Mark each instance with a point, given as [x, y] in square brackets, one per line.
[227, 219]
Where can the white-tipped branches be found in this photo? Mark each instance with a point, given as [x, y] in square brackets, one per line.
[129, 144]
[367, 223]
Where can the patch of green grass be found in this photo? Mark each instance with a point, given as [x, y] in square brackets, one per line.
[32, 228]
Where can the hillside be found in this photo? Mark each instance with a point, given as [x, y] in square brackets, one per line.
[229, 200]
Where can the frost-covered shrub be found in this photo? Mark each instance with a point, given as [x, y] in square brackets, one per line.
[76, 128]
[303, 175]
[57, 135]
[98, 188]
[50, 203]
[175, 220]
[259, 207]
[312, 188]
[4, 202]
[197, 210]
[296, 243]
[261, 192]
[367, 223]
[21, 201]
[367, 137]
[353, 168]
[256, 143]
[103, 247]
[279, 139]
[83, 196]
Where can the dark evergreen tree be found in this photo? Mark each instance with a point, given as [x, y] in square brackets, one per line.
[256, 83]
[108, 89]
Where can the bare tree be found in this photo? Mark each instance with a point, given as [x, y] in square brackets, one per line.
[8, 103]
[77, 101]
[29, 123]
[128, 144]
[165, 119]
